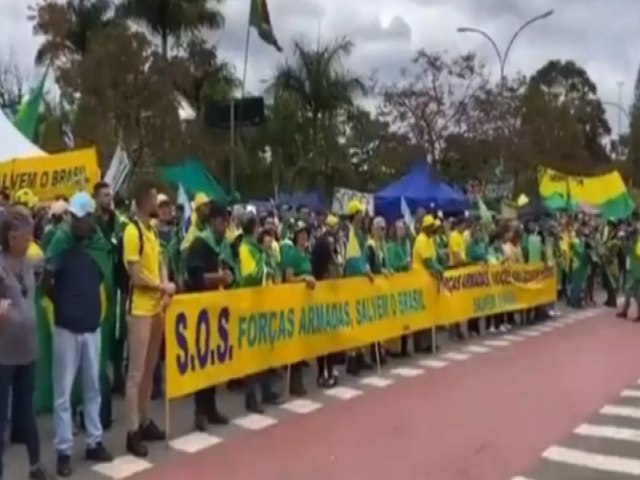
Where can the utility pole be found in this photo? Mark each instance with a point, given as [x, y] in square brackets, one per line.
[620, 87]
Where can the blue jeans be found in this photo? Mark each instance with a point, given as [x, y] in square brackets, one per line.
[20, 380]
[72, 352]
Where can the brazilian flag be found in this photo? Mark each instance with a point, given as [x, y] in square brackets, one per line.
[101, 253]
[261, 21]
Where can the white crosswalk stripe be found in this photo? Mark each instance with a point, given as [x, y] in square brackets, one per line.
[596, 461]
[630, 393]
[620, 411]
[606, 447]
[608, 431]
[456, 356]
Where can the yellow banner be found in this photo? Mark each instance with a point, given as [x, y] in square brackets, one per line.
[214, 337]
[478, 291]
[52, 175]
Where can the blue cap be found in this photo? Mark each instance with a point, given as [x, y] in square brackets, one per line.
[81, 204]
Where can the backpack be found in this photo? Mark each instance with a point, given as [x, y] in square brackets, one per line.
[123, 281]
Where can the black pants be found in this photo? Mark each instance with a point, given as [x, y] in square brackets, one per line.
[205, 401]
[325, 365]
[21, 381]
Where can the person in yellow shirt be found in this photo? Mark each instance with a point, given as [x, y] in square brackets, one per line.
[457, 257]
[457, 244]
[424, 257]
[150, 292]
[201, 206]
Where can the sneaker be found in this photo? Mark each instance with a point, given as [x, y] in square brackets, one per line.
[98, 454]
[63, 466]
[136, 445]
[40, 473]
[152, 433]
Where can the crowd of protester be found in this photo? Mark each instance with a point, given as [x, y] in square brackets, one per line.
[144, 253]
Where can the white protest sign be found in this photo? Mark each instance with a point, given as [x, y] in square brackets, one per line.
[342, 197]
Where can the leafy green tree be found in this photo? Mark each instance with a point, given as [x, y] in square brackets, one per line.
[67, 27]
[172, 20]
[567, 85]
[318, 81]
[433, 100]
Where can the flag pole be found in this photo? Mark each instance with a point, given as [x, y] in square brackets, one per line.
[232, 160]
[247, 43]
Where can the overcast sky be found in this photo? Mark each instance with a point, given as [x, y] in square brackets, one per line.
[601, 35]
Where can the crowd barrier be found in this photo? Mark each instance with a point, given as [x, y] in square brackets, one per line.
[217, 336]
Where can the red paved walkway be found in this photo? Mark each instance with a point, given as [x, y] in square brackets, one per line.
[487, 418]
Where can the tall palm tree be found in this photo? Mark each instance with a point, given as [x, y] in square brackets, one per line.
[67, 26]
[323, 86]
[172, 19]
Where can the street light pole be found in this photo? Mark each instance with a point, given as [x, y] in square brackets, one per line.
[503, 57]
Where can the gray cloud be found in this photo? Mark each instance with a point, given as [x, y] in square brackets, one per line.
[601, 35]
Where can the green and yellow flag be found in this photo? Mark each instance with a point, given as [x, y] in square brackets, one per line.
[606, 192]
[26, 120]
[261, 21]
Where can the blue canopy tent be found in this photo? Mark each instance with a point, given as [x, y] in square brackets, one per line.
[419, 188]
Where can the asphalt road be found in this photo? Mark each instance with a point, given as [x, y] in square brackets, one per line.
[494, 408]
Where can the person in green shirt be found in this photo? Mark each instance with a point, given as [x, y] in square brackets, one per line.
[296, 262]
[398, 255]
[356, 265]
[633, 276]
[580, 269]
[477, 249]
[57, 217]
[398, 248]
[254, 272]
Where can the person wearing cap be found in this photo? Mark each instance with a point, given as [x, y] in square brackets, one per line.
[253, 272]
[26, 198]
[296, 261]
[424, 257]
[326, 264]
[79, 272]
[58, 214]
[355, 265]
[207, 269]
[19, 348]
[199, 219]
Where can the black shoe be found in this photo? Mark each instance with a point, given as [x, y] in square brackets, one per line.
[98, 454]
[63, 467]
[152, 433]
[271, 398]
[40, 473]
[362, 363]
[136, 445]
[217, 418]
[201, 423]
[352, 366]
[252, 405]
